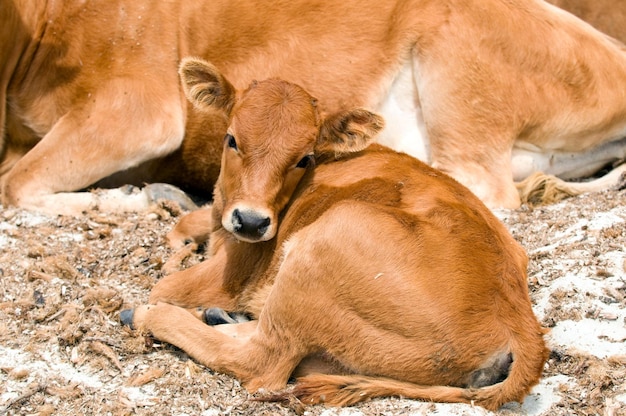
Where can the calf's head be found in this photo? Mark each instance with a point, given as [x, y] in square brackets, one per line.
[275, 132]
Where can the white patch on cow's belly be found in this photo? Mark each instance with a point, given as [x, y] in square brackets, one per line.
[404, 130]
[528, 159]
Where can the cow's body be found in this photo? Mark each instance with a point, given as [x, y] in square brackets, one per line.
[368, 272]
[89, 88]
[608, 16]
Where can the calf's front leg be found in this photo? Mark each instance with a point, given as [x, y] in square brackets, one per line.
[195, 227]
[200, 286]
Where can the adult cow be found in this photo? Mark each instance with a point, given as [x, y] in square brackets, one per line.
[367, 272]
[487, 90]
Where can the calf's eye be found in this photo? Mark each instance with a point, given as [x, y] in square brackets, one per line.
[305, 161]
[230, 141]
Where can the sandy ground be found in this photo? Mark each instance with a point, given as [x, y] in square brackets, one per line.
[64, 280]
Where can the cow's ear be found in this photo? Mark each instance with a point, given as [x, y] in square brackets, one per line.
[348, 131]
[205, 86]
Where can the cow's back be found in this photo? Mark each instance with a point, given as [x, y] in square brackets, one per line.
[393, 180]
[121, 57]
[404, 235]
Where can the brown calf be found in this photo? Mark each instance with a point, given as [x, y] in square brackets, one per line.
[489, 91]
[368, 273]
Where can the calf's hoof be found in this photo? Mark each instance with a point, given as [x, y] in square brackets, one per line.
[218, 316]
[126, 317]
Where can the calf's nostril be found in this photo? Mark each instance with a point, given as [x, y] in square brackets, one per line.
[265, 223]
[237, 221]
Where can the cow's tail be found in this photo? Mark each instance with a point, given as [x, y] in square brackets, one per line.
[345, 390]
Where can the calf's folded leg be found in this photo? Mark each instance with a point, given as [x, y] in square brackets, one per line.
[249, 351]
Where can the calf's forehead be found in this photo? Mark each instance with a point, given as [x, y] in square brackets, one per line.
[275, 113]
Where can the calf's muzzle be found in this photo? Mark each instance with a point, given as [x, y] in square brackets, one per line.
[249, 224]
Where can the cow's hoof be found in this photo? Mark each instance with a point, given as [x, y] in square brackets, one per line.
[218, 316]
[163, 191]
[126, 317]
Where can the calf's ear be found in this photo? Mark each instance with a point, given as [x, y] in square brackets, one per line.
[205, 86]
[348, 131]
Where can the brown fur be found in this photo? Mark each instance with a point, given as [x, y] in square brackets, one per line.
[374, 275]
[608, 16]
[90, 96]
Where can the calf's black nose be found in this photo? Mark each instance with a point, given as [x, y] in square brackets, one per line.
[249, 224]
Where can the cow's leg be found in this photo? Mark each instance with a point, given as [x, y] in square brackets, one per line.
[240, 330]
[491, 180]
[194, 227]
[469, 141]
[113, 132]
[10, 157]
[190, 232]
[199, 290]
[200, 286]
[253, 352]
[316, 363]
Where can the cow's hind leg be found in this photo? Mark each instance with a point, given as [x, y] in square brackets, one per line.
[254, 353]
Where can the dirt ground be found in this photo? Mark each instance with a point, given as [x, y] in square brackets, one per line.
[64, 280]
